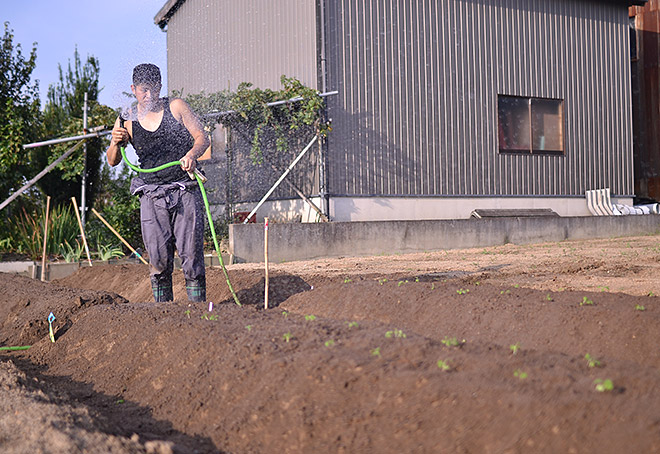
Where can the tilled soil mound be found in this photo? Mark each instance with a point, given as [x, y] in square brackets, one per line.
[357, 359]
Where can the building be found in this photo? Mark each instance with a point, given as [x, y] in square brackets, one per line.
[443, 106]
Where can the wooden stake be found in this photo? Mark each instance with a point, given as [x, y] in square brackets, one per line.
[266, 261]
[43, 255]
[119, 236]
[82, 231]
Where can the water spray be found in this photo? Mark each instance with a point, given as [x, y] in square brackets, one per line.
[200, 181]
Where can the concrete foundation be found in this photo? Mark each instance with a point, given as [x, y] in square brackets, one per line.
[301, 241]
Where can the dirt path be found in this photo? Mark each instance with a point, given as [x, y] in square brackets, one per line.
[479, 350]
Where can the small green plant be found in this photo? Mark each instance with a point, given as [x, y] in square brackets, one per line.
[452, 342]
[347, 280]
[400, 283]
[211, 317]
[603, 385]
[505, 292]
[416, 279]
[462, 291]
[516, 286]
[120, 401]
[329, 343]
[395, 333]
[603, 288]
[108, 252]
[432, 285]
[586, 302]
[520, 374]
[382, 281]
[591, 361]
[352, 324]
[248, 327]
[70, 253]
[444, 365]
[285, 314]
[187, 313]
[514, 348]
[548, 297]
[310, 318]
[650, 294]
[287, 337]
[375, 352]
[639, 307]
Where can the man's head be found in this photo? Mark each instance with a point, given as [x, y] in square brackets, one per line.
[146, 74]
[146, 84]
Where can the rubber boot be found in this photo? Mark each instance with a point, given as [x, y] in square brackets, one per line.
[196, 290]
[162, 289]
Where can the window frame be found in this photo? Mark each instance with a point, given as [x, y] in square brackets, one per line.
[530, 115]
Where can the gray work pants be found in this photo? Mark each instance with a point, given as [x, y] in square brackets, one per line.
[172, 216]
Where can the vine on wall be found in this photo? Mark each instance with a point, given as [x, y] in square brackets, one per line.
[250, 107]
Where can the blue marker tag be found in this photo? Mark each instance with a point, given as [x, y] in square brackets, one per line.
[51, 319]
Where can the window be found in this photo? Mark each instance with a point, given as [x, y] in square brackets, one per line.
[530, 125]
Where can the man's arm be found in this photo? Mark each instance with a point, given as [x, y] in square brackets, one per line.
[184, 114]
[119, 139]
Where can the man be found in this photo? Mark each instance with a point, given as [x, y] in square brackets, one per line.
[163, 130]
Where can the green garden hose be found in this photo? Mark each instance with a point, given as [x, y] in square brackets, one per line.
[206, 205]
[13, 349]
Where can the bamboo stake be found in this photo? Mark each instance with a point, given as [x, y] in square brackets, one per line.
[119, 236]
[82, 231]
[266, 261]
[43, 256]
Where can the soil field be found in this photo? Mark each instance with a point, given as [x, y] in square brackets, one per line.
[461, 351]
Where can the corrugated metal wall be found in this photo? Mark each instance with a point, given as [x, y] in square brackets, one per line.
[212, 45]
[418, 83]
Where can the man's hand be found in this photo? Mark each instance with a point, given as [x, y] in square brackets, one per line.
[119, 136]
[188, 164]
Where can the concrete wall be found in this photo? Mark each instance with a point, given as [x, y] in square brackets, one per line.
[289, 242]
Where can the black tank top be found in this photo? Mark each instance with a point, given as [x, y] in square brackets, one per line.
[170, 142]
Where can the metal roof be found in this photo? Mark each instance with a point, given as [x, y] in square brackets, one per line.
[171, 6]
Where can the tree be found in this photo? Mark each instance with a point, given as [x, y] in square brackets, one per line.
[63, 116]
[20, 117]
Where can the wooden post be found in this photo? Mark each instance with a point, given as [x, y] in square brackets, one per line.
[266, 261]
[43, 255]
[119, 236]
[82, 230]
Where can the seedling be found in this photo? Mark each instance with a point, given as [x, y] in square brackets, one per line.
[462, 291]
[548, 297]
[187, 313]
[310, 318]
[287, 337]
[375, 352]
[650, 294]
[477, 283]
[400, 283]
[329, 343]
[382, 281]
[452, 342]
[210, 317]
[514, 348]
[395, 333]
[639, 307]
[444, 365]
[416, 279]
[120, 401]
[347, 280]
[586, 302]
[603, 288]
[516, 286]
[432, 285]
[352, 324]
[248, 327]
[591, 362]
[285, 313]
[520, 374]
[603, 385]
[505, 292]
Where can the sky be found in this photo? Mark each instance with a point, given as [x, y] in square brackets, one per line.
[119, 33]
